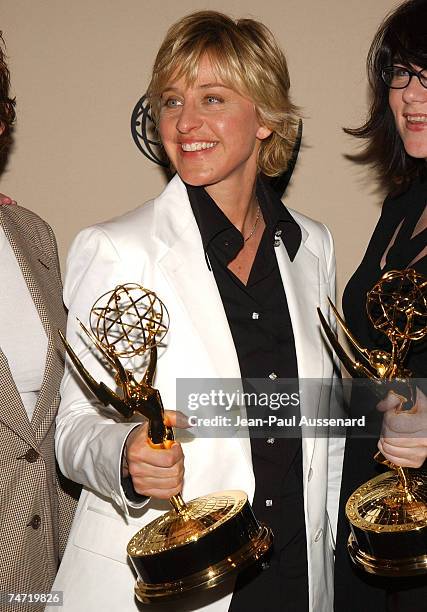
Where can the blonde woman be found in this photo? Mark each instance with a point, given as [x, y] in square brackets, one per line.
[241, 277]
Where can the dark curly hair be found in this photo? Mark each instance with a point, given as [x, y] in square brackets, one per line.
[402, 37]
[7, 104]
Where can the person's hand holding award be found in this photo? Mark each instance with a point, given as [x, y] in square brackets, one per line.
[196, 545]
[388, 514]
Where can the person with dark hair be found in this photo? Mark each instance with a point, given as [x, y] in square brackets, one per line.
[36, 502]
[7, 104]
[241, 277]
[396, 136]
[7, 114]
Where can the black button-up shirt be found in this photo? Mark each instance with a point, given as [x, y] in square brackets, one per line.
[260, 324]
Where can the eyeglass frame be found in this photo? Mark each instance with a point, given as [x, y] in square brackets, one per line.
[411, 73]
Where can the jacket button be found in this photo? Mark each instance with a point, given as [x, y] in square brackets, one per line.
[31, 455]
[35, 522]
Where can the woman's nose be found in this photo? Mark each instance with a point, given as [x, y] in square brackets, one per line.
[189, 118]
[414, 92]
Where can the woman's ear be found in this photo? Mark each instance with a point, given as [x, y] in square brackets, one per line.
[263, 132]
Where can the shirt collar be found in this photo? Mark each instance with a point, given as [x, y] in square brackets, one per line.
[212, 221]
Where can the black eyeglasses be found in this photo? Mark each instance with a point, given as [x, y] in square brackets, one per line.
[398, 77]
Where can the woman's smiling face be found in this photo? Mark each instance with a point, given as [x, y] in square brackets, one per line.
[409, 108]
[210, 132]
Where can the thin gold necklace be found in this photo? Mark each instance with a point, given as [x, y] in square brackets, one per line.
[257, 218]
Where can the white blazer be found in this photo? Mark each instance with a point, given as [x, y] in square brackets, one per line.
[159, 246]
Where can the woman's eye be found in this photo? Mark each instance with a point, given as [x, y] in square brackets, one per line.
[400, 71]
[172, 102]
[214, 99]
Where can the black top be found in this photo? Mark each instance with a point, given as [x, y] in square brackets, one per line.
[370, 592]
[259, 306]
[405, 209]
[260, 324]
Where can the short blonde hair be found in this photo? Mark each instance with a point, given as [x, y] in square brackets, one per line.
[246, 57]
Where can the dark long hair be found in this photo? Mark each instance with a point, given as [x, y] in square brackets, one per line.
[7, 104]
[402, 37]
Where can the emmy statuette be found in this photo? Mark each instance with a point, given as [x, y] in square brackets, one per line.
[388, 514]
[198, 544]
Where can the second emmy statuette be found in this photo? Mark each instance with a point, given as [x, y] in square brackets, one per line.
[198, 544]
[388, 514]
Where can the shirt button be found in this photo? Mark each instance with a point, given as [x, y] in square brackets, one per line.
[272, 376]
[31, 455]
[255, 315]
[278, 233]
[268, 503]
[318, 535]
[35, 522]
[270, 440]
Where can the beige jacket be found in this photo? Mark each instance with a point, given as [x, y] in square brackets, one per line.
[35, 508]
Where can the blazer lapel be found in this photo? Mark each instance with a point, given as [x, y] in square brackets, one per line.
[37, 273]
[301, 282]
[12, 411]
[185, 266]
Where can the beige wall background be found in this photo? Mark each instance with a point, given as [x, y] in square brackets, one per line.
[79, 67]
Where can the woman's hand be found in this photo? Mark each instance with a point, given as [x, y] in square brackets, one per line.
[155, 472]
[4, 200]
[404, 435]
